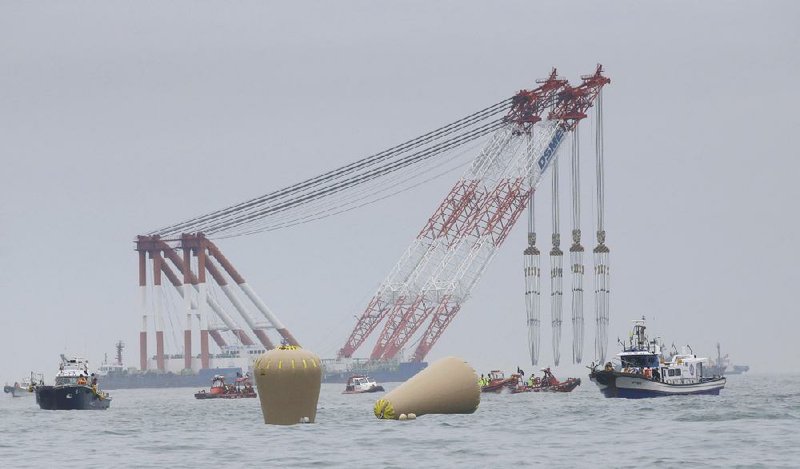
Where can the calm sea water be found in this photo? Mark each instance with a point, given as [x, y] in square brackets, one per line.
[754, 422]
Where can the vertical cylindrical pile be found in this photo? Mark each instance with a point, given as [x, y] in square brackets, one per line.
[602, 270]
[532, 273]
[288, 380]
[448, 386]
[576, 254]
[556, 273]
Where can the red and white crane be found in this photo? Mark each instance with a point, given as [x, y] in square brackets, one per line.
[437, 273]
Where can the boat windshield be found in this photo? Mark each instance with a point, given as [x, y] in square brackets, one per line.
[639, 361]
[62, 380]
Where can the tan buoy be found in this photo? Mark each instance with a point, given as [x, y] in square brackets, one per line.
[448, 386]
[288, 380]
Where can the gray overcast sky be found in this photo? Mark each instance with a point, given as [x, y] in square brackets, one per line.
[120, 117]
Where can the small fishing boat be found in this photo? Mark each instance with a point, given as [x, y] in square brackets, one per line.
[242, 387]
[74, 389]
[26, 387]
[358, 384]
[18, 389]
[643, 373]
[548, 383]
[497, 381]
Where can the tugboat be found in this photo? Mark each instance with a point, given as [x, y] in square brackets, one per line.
[358, 384]
[644, 374]
[74, 389]
[548, 383]
[241, 387]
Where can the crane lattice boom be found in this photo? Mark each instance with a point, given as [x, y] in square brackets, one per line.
[438, 271]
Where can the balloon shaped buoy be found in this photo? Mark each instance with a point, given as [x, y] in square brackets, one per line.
[288, 380]
[448, 386]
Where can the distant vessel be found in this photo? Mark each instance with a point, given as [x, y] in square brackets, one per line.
[358, 384]
[739, 369]
[723, 366]
[642, 374]
[74, 389]
[115, 375]
[24, 388]
[385, 371]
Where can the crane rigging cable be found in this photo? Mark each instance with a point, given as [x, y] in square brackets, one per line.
[556, 273]
[576, 254]
[368, 195]
[336, 186]
[387, 159]
[532, 281]
[261, 211]
[602, 270]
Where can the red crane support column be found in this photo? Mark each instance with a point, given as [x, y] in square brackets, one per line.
[187, 334]
[201, 303]
[223, 284]
[254, 298]
[218, 339]
[143, 305]
[157, 261]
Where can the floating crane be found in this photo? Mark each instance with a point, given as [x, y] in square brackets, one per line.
[436, 274]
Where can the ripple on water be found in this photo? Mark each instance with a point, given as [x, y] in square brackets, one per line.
[752, 422]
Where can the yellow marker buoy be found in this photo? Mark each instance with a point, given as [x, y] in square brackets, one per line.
[288, 394]
[448, 386]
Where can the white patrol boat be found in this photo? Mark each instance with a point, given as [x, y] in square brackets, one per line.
[643, 372]
[358, 384]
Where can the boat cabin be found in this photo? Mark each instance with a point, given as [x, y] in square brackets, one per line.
[643, 357]
[72, 371]
[360, 383]
[640, 352]
[684, 369]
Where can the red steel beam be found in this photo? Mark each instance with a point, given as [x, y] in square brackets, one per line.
[239, 333]
[222, 282]
[188, 278]
[200, 252]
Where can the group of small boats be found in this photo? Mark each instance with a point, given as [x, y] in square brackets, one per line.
[641, 371]
[497, 382]
[241, 387]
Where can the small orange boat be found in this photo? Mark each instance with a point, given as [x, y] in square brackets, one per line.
[498, 382]
[548, 383]
[242, 387]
